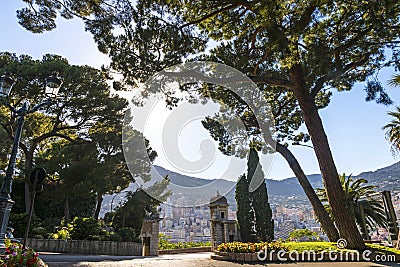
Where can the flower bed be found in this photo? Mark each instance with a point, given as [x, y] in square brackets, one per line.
[16, 256]
[247, 252]
[301, 251]
[240, 247]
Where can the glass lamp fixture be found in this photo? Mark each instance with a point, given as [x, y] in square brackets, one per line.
[53, 84]
[6, 84]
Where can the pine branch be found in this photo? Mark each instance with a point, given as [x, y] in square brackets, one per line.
[332, 75]
[209, 15]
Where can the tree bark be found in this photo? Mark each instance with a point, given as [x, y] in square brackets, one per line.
[98, 206]
[28, 170]
[322, 216]
[336, 197]
[66, 210]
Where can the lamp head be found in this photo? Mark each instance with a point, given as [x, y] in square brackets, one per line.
[6, 84]
[53, 84]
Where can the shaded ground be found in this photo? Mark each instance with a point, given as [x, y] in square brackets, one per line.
[180, 260]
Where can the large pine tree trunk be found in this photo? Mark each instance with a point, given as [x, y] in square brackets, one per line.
[98, 206]
[323, 216]
[336, 197]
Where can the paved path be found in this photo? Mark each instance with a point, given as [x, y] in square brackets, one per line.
[180, 260]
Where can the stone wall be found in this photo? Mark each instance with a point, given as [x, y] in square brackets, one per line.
[86, 247]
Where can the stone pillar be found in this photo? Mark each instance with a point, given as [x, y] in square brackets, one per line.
[226, 233]
[216, 234]
[237, 237]
[149, 236]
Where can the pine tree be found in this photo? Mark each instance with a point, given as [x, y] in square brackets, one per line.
[264, 224]
[245, 213]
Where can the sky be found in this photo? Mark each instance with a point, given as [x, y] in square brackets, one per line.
[353, 126]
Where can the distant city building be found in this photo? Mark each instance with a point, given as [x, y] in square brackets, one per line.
[284, 229]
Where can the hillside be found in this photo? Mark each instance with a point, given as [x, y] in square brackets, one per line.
[190, 191]
[387, 178]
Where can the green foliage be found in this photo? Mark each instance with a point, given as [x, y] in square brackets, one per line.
[264, 224]
[300, 234]
[140, 21]
[92, 229]
[16, 256]
[38, 232]
[249, 247]
[393, 130]
[317, 246]
[383, 249]
[50, 203]
[300, 247]
[359, 195]
[83, 100]
[18, 222]
[109, 217]
[86, 228]
[324, 36]
[254, 212]
[126, 234]
[63, 233]
[138, 206]
[79, 174]
[17, 195]
[245, 213]
[332, 246]
[164, 244]
[394, 81]
[6, 145]
[305, 48]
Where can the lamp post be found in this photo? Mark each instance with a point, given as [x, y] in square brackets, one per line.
[53, 84]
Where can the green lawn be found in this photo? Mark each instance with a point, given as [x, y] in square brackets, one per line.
[320, 246]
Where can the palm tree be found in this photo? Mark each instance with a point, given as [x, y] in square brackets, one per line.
[359, 197]
[393, 127]
[393, 130]
[394, 81]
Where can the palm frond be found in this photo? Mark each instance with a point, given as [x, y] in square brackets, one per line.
[392, 130]
[394, 81]
[358, 196]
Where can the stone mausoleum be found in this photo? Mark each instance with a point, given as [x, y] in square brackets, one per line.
[149, 235]
[223, 230]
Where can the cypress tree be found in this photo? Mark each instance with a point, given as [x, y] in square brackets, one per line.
[245, 213]
[258, 195]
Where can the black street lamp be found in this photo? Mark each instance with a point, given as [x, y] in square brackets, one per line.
[53, 84]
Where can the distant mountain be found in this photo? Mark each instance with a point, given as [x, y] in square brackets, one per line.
[291, 186]
[285, 187]
[387, 178]
[180, 179]
[198, 190]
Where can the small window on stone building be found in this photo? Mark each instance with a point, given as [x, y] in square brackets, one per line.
[222, 215]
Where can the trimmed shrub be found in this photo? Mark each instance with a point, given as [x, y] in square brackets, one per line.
[164, 244]
[86, 229]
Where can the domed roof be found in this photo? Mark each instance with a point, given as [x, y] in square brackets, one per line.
[218, 200]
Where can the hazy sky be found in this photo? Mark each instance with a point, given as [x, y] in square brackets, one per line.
[353, 126]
